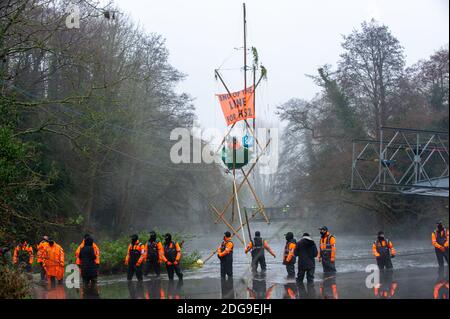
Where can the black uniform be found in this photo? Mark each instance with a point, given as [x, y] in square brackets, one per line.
[384, 260]
[290, 266]
[306, 251]
[226, 262]
[441, 238]
[170, 253]
[135, 253]
[152, 263]
[258, 256]
[89, 269]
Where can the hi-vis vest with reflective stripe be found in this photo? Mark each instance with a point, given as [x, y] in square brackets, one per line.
[328, 246]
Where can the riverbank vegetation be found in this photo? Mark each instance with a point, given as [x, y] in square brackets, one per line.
[85, 121]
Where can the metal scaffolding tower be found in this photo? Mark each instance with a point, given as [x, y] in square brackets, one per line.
[403, 161]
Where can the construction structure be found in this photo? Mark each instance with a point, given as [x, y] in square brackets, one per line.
[403, 161]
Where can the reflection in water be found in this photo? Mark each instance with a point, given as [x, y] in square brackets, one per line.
[155, 290]
[387, 287]
[306, 292]
[259, 288]
[173, 290]
[56, 291]
[290, 291]
[136, 289]
[90, 291]
[328, 287]
[227, 286]
[441, 290]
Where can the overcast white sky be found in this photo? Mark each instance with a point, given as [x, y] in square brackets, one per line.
[293, 37]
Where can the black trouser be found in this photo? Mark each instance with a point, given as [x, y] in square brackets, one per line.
[441, 255]
[90, 279]
[290, 268]
[226, 266]
[309, 274]
[53, 281]
[42, 271]
[172, 269]
[152, 266]
[328, 266]
[384, 262]
[258, 259]
[133, 269]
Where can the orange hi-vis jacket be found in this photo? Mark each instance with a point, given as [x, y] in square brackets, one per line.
[225, 248]
[328, 244]
[440, 239]
[172, 253]
[265, 245]
[21, 250]
[155, 248]
[54, 261]
[289, 251]
[41, 247]
[138, 247]
[96, 252]
[377, 246]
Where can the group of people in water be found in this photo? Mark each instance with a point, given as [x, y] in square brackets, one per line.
[147, 258]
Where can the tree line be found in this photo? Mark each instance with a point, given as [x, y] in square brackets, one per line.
[85, 119]
[370, 87]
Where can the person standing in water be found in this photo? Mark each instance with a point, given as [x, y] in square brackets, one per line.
[134, 259]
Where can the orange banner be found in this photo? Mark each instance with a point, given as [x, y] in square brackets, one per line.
[237, 112]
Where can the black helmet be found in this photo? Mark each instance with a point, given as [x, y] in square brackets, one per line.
[134, 237]
[289, 236]
[168, 237]
[257, 234]
[227, 234]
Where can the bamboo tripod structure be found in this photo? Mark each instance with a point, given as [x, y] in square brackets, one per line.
[233, 200]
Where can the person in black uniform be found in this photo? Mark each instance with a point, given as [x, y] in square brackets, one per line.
[257, 247]
[172, 257]
[135, 257]
[89, 269]
[225, 255]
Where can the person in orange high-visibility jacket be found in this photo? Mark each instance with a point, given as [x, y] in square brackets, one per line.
[327, 250]
[257, 247]
[172, 257]
[225, 255]
[41, 247]
[54, 262]
[383, 250]
[289, 254]
[23, 255]
[135, 258]
[439, 239]
[96, 251]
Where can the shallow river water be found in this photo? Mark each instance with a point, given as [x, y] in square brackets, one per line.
[415, 275]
